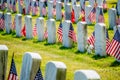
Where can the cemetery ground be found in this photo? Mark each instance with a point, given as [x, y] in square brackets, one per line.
[107, 67]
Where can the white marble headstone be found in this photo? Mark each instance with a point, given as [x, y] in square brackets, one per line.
[51, 29]
[88, 9]
[40, 28]
[58, 11]
[112, 18]
[82, 36]
[100, 39]
[66, 1]
[92, 2]
[18, 24]
[20, 8]
[27, 2]
[28, 24]
[41, 3]
[67, 42]
[86, 75]
[8, 4]
[99, 2]
[8, 22]
[118, 6]
[68, 10]
[3, 61]
[77, 12]
[55, 70]
[30, 65]
[33, 8]
[50, 8]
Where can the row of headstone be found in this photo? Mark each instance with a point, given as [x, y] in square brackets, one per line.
[55, 70]
[51, 29]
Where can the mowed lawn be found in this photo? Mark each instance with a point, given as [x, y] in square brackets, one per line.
[107, 67]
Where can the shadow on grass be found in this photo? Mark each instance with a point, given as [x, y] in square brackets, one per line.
[96, 57]
[79, 52]
[64, 48]
[48, 44]
[114, 64]
[91, 24]
[24, 39]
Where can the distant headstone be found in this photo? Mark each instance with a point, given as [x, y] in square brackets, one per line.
[66, 1]
[112, 18]
[86, 75]
[8, 6]
[73, 3]
[68, 11]
[28, 24]
[50, 9]
[100, 39]
[3, 61]
[8, 22]
[27, 2]
[67, 42]
[98, 13]
[116, 27]
[18, 24]
[30, 65]
[118, 6]
[88, 9]
[40, 28]
[82, 2]
[92, 2]
[55, 70]
[77, 12]
[99, 2]
[41, 3]
[119, 28]
[20, 8]
[51, 29]
[58, 11]
[82, 36]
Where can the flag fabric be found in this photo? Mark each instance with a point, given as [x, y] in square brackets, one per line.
[72, 16]
[92, 15]
[13, 73]
[23, 31]
[45, 34]
[44, 11]
[60, 33]
[10, 4]
[29, 8]
[117, 21]
[39, 75]
[107, 40]
[14, 6]
[13, 24]
[72, 34]
[54, 11]
[35, 30]
[101, 17]
[35, 8]
[104, 4]
[91, 39]
[82, 14]
[114, 48]
[2, 22]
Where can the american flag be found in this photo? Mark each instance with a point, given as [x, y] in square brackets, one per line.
[118, 21]
[72, 16]
[60, 33]
[114, 48]
[92, 15]
[23, 31]
[10, 4]
[2, 22]
[13, 73]
[107, 40]
[35, 30]
[104, 4]
[13, 24]
[21, 2]
[44, 11]
[45, 34]
[39, 75]
[101, 17]
[14, 6]
[82, 14]
[35, 8]
[3, 5]
[91, 39]
[72, 34]
[29, 8]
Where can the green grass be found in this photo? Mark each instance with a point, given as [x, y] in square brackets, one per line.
[107, 67]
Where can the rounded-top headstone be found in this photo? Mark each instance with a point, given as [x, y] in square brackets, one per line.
[3, 61]
[30, 65]
[55, 70]
[86, 75]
